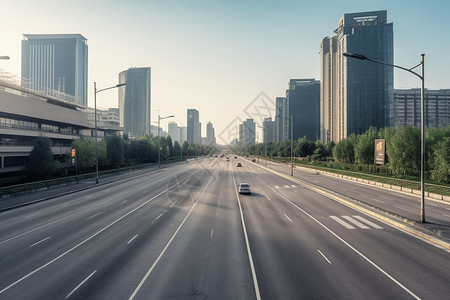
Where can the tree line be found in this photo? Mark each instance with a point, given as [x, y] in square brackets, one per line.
[357, 151]
[113, 152]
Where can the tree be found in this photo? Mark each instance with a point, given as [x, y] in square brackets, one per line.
[85, 154]
[304, 147]
[40, 161]
[176, 149]
[404, 151]
[441, 160]
[344, 151]
[114, 151]
[365, 145]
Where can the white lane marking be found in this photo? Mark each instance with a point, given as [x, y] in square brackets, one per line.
[32, 215]
[211, 235]
[132, 239]
[294, 186]
[359, 224]
[287, 186]
[404, 208]
[345, 224]
[268, 198]
[124, 201]
[78, 286]
[247, 244]
[87, 239]
[350, 246]
[377, 200]
[446, 215]
[94, 215]
[368, 222]
[160, 215]
[324, 257]
[169, 242]
[288, 218]
[277, 187]
[37, 243]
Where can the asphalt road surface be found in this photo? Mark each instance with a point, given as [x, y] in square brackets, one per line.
[184, 232]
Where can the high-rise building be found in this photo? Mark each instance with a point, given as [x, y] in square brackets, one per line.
[56, 64]
[247, 133]
[174, 132]
[357, 94]
[193, 127]
[303, 97]
[407, 107]
[134, 101]
[183, 135]
[281, 120]
[210, 134]
[269, 132]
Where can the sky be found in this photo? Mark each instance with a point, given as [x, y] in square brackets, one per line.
[227, 59]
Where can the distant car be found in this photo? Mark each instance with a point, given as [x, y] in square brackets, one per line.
[244, 188]
[228, 159]
[239, 165]
[253, 160]
[235, 157]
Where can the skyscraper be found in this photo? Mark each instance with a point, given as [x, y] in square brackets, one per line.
[56, 64]
[357, 94]
[303, 97]
[210, 134]
[134, 101]
[281, 120]
[193, 127]
[174, 132]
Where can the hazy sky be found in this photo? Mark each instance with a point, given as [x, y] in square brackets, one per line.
[218, 56]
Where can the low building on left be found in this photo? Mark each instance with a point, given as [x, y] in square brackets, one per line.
[26, 114]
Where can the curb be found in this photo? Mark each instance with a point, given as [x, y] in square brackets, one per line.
[404, 224]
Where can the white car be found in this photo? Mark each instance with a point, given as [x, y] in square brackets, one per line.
[244, 188]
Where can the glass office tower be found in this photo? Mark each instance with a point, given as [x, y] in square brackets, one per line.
[134, 101]
[357, 94]
[56, 64]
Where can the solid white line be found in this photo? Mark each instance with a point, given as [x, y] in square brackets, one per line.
[87, 239]
[377, 200]
[351, 247]
[94, 215]
[359, 224]
[324, 257]
[31, 215]
[368, 222]
[169, 242]
[249, 252]
[159, 216]
[288, 218]
[268, 198]
[132, 239]
[404, 208]
[345, 224]
[39, 242]
[87, 278]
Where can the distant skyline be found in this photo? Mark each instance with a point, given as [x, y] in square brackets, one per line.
[219, 56]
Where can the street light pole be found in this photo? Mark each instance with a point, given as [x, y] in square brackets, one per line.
[422, 119]
[95, 122]
[159, 145]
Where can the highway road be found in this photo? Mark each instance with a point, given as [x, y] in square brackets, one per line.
[184, 232]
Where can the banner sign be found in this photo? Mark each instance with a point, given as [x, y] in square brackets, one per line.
[380, 151]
